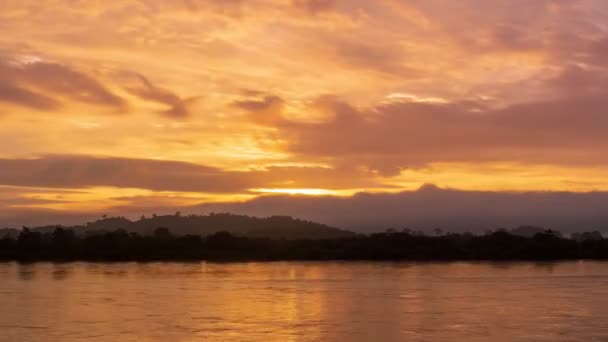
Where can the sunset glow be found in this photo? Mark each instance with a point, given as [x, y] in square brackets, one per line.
[309, 192]
[133, 105]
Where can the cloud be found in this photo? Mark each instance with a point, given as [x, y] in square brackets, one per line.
[266, 111]
[64, 171]
[14, 94]
[78, 171]
[36, 83]
[564, 129]
[315, 6]
[16, 196]
[366, 54]
[148, 91]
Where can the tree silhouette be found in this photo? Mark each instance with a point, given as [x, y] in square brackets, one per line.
[65, 244]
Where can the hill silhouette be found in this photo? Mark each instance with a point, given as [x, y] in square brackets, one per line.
[273, 227]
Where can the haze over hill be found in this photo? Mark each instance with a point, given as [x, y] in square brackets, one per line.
[431, 207]
[275, 227]
[425, 209]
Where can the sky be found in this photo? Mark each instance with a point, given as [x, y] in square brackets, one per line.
[129, 107]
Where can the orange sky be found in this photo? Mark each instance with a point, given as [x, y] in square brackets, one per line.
[152, 103]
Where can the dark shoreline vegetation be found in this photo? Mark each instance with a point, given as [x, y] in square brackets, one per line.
[63, 244]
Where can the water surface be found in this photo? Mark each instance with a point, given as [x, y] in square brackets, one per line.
[304, 302]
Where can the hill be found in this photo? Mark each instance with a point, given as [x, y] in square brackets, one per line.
[274, 227]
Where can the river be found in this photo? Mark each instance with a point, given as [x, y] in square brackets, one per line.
[300, 301]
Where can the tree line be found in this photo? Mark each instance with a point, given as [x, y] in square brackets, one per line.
[120, 245]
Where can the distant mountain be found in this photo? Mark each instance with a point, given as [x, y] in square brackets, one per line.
[275, 227]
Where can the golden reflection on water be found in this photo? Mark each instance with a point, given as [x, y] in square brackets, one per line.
[304, 302]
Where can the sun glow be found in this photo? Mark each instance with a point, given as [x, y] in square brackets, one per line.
[308, 192]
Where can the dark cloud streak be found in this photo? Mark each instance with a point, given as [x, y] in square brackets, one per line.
[77, 171]
[150, 92]
[44, 85]
[14, 94]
